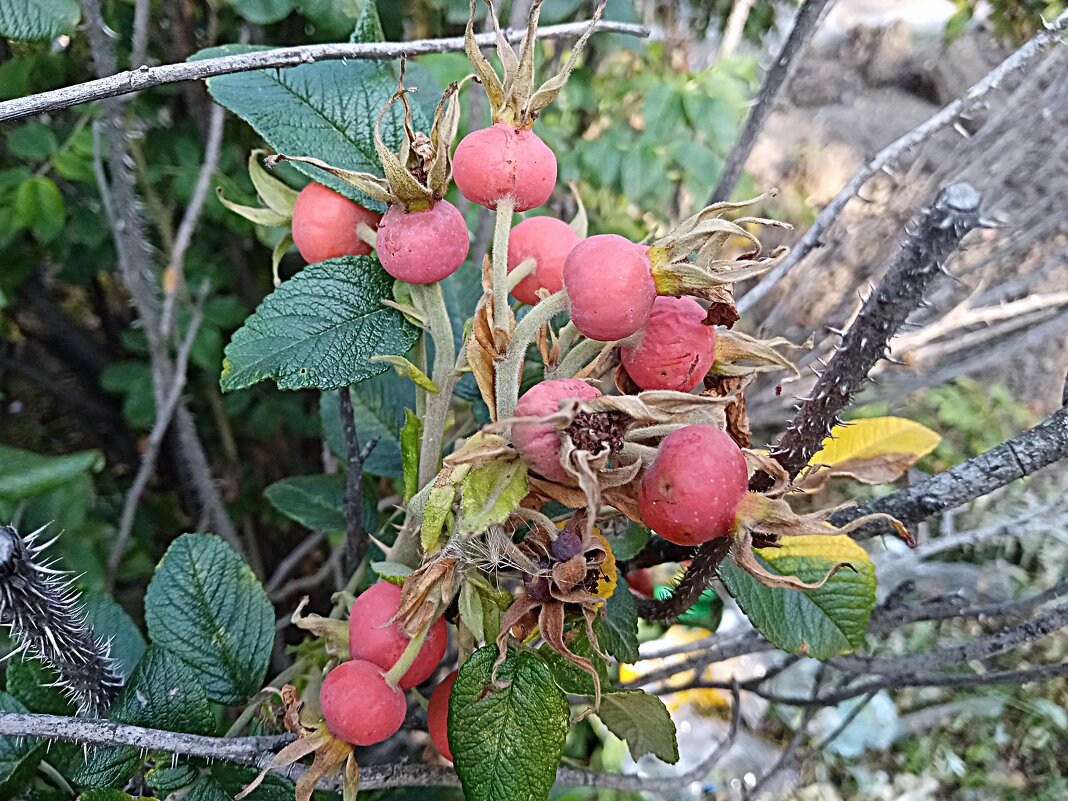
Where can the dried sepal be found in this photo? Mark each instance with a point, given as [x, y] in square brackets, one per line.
[429, 590]
[334, 633]
[742, 553]
[737, 419]
[312, 737]
[773, 519]
[704, 235]
[733, 347]
[277, 197]
[371, 185]
[514, 99]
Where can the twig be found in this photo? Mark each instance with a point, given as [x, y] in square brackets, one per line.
[800, 34]
[292, 559]
[734, 29]
[145, 77]
[888, 156]
[937, 234]
[135, 268]
[355, 541]
[694, 581]
[139, 41]
[155, 441]
[174, 276]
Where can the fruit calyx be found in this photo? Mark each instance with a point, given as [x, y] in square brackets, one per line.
[418, 174]
[514, 100]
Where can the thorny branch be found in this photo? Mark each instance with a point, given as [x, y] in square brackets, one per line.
[800, 34]
[144, 77]
[937, 234]
[970, 101]
[355, 456]
[135, 259]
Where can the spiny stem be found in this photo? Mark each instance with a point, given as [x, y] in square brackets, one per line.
[407, 657]
[501, 232]
[509, 367]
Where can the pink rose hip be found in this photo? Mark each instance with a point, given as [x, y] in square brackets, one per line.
[611, 287]
[421, 247]
[325, 223]
[376, 638]
[358, 704]
[675, 350]
[691, 492]
[548, 241]
[501, 161]
[539, 443]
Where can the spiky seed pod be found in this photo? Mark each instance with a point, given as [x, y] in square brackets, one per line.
[46, 620]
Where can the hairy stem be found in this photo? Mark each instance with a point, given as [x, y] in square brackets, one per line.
[407, 657]
[510, 366]
[501, 233]
[578, 357]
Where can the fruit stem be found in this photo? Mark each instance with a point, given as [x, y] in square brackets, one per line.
[430, 300]
[501, 233]
[508, 368]
[407, 657]
[578, 357]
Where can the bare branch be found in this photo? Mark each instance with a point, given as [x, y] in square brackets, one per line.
[936, 235]
[804, 26]
[145, 77]
[355, 541]
[164, 415]
[1013, 459]
[888, 156]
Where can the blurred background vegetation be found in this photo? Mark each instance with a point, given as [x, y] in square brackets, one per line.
[642, 128]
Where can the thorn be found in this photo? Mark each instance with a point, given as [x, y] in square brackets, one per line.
[960, 129]
[834, 330]
[923, 304]
[893, 359]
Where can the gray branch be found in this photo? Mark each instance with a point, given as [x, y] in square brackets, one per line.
[1010, 461]
[972, 100]
[936, 236]
[144, 77]
[800, 34]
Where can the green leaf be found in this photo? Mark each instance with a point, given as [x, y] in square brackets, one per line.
[643, 721]
[411, 440]
[617, 631]
[368, 26]
[320, 329]
[163, 693]
[24, 474]
[39, 207]
[317, 502]
[628, 544]
[571, 678]
[506, 741]
[823, 622]
[104, 794]
[379, 405]
[18, 756]
[405, 369]
[32, 141]
[164, 779]
[31, 682]
[38, 20]
[110, 622]
[492, 492]
[205, 605]
[263, 12]
[327, 109]
[393, 572]
[435, 514]
[207, 789]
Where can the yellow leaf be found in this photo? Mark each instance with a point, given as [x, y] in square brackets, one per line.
[832, 547]
[606, 584]
[875, 437]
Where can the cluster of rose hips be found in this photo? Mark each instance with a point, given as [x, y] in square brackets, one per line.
[361, 702]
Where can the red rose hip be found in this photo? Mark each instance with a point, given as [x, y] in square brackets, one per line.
[421, 247]
[611, 287]
[375, 637]
[358, 704]
[539, 443]
[325, 224]
[676, 348]
[691, 492]
[437, 715]
[548, 241]
[501, 161]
